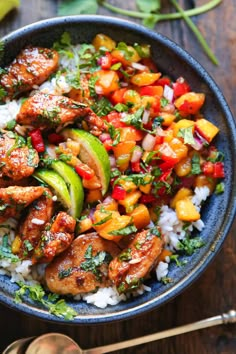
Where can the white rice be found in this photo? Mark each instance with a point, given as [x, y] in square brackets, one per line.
[8, 112]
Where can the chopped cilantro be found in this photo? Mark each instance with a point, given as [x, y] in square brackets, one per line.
[57, 307]
[164, 102]
[187, 135]
[3, 93]
[102, 107]
[143, 51]
[28, 245]
[122, 46]
[65, 273]
[108, 217]
[190, 245]
[5, 250]
[134, 119]
[219, 157]
[124, 231]
[92, 263]
[91, 85]
[220, 188]
[11, 124]
[120, 107]
[125, 255]
[195, 165]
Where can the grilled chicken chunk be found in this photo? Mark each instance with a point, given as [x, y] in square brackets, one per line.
[17, 160]
[82, 267]
[31, 67]
[134, 263]
[39, 213]
[14, 199]
[46, 110]
[57, 239]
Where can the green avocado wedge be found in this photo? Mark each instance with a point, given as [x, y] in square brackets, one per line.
[75, 187]
[56, 182]
[92, 153]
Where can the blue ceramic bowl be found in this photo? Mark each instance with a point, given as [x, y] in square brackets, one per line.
[218, 212]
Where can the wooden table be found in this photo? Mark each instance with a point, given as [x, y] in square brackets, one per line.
[215, 291]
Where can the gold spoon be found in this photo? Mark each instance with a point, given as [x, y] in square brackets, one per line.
[54, 343]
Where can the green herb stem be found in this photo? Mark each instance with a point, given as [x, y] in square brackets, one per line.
[196, 32]
[162, 17]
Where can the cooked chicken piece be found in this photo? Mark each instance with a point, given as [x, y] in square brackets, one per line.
[39, 213]
[31, 67]
[46, 110]
[82, 267]
[17, 160]
[57, 239]
[134, 263]
[14, 199]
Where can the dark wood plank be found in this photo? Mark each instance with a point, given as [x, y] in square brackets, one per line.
[215, 290]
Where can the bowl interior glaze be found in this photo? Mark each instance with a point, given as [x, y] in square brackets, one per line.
[218, 212]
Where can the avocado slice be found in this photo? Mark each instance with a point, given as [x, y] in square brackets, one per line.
[92, 153]
[74, 185]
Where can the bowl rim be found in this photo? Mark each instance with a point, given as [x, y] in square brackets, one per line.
[226, 225]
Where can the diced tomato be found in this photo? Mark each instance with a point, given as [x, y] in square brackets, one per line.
[159, 139]
[180, 87]
[84, 171]
[165, 175]
[164, 81]
[151, 91]
[106, 61]
[55, 138]
[218, 170]
[135, 167]
[118, 96]
[118, 193]
[208, 168]
[167, 165]
[115, 119]
[156, 106]
[108, 144]
[147, 198]
[37, 140]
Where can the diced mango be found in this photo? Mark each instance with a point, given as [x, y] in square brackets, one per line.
[183, 124]
[131, 97]
[128, 186]
[121, 56]
[101, 40]
[118, 222]
[146, 188]
[107, 82]
[123, 148]
[145, 78]
[93, 195]
[206, 129]
[130, 134]
[179, 148]
[140, 216]
[183, 167]
[202, 180]
[168, 118]
[84, 225]
[181, 194]
[186, 210]
[130, 200]
[190, 103]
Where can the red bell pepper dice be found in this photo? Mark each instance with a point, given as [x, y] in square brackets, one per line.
[37, 140]
[118, 193]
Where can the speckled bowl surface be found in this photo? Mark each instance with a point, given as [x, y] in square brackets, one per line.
[218, 213]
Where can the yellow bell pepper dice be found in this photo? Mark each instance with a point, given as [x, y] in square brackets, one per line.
[7, 6]
[186, 210]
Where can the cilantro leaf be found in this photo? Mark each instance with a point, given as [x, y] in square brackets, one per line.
[92, 263]
[6, 252]
[36, 293]
[148, 6]
[124, 231]
[190, 245]
[77, 7]
[134, 119]
[102, 107]
[220, 188]
[195, 165]
[187, 135]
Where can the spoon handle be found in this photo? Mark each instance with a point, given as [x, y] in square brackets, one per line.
[229, 317]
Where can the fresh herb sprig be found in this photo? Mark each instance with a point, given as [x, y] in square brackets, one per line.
[56, 306]
[149, 12]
